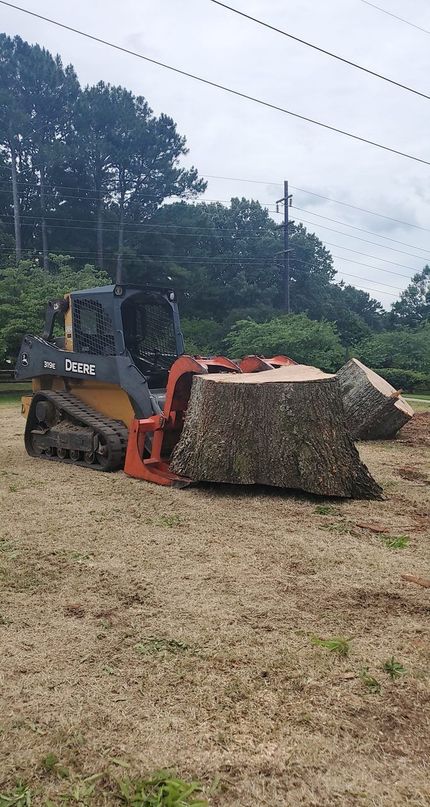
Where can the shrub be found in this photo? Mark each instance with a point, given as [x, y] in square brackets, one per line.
[405, 347]
[24, 294]
[203, 337]
[407, 380]
[297, 336]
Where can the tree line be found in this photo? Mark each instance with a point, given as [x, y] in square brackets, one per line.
[91, 182]
[93, 155]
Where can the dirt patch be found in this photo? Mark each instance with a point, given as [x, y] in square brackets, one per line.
[145, 628]
[413, 475]
[417, 431]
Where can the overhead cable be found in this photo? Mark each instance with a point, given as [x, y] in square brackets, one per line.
[396, 17]
[321, 50]
[320, 196]
[218, 86]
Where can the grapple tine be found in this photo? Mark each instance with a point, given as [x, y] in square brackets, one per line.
[255, 364]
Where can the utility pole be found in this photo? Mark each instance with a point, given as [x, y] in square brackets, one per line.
[285, 276]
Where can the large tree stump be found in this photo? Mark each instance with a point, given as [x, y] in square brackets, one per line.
[282, 427]
[374, 410]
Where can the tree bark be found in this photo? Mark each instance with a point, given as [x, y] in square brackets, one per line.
[100, 209]
[16, 204]
[374, 410]
[282, 427]
[45, 250]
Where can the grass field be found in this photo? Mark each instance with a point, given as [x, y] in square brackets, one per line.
[11, 392]
[259, 642]
[14, 386]
[10, 399]
[419, 402]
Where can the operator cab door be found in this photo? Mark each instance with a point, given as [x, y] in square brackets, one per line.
[149, 336]
[92, 328]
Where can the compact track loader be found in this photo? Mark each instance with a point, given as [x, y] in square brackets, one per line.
[113, 391]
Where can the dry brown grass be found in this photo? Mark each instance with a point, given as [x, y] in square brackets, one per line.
[174, 629]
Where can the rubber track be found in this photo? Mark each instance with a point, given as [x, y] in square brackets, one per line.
[114, 432]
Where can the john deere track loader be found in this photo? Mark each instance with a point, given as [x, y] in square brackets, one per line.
[112, 392]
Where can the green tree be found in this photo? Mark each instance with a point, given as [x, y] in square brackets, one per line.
[228, 258]
[229, 254]
[39, 95]
[24, 292]
[96, 119]
[12, 121]
[311, 270]
[295, 335]
[354, 312]
[223, 258]
[146, 152]
[413, 308]
[131, 161]
[405, 348]
[203, 337]
[51, 94]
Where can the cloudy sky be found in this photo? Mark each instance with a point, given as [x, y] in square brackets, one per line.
[237, 141]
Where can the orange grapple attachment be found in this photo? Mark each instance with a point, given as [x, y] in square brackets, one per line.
[166, 428]
[255, 364]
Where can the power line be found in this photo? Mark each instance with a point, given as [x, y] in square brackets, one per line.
[209, 262]
[390, 14]
[367, 265]
[35, 220]
[216, 260]
[186, 258]
[373, 290]
[362, 230]
[377, 291]
[220, 260]
[218, 86]
[320, 196]
[375, 258]
[366, 279]
[364, 210]
[90, 192]
[275, 184]
[199, 229]
[194, 259]
[357, 238]
[372, 280]
[217, 235]
[321, 50]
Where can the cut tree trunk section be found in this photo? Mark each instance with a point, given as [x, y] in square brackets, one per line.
[374, 410]
[282, 427]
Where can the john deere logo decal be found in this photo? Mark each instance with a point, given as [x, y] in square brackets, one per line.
[79, 367]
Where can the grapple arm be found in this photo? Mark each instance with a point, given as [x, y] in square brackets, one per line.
[165, 429]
